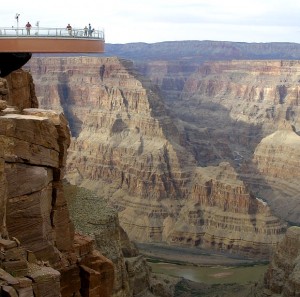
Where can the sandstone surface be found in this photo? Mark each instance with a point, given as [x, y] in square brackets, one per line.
[178, 175]
[40, 253]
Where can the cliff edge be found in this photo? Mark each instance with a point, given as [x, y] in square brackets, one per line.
[40, 253]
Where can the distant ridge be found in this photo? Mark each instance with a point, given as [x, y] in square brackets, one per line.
[197, 51]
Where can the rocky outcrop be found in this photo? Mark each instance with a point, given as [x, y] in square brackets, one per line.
[277, 158]
[125, 147]
[21, 90]
[222, 214]
[92, 215]
[44, 255]
[282, 277]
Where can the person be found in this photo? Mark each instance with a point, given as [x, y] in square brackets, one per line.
[85, 30]
[90, 30]
[28, 27]
[69, 28]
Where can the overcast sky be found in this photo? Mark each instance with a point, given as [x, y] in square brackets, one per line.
[150, 21]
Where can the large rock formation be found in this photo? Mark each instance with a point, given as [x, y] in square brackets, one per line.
[282, 277]
[126, 147]
[46, 258]
[91, 215]
[277, 158]
[256, 104]
[222, 214]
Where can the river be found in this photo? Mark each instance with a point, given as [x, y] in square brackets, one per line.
[212, 275]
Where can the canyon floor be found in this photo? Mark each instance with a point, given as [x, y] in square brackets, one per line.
[200, 257]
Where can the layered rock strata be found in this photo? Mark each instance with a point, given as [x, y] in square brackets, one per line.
[277, 159]
[220, 213]
[45, 257]
[126, 148]
[282, 277]
[257, 105]
[248, 99]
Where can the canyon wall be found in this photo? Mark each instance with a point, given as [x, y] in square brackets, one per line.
[175, 175]
[257, 105]
[282, 277]
[46, 255]
[170, 63]
[40, 253]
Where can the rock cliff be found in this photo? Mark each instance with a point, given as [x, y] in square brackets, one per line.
[40, 253]
[92, 216]
[222, 214]
[147, 160]
[256, 104]
[282, 277]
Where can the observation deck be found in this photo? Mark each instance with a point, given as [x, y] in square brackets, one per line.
[50, 40]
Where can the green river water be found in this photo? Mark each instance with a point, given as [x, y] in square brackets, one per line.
[212, 275]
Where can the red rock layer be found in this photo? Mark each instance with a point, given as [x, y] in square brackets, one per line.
[34, 210]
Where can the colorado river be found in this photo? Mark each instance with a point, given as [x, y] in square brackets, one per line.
[202, 266]
[212, 275]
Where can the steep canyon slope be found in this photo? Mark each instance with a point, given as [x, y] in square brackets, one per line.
[46, 250]
[247, 113]
[40, 253]
[177, 175]
[248, 99]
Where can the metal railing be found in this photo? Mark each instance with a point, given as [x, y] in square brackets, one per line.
[39, 32]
